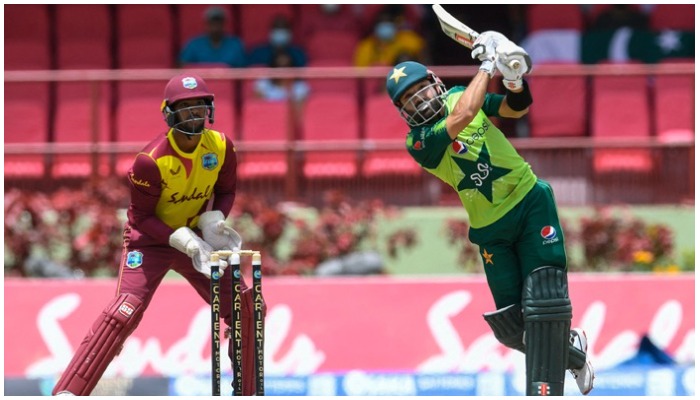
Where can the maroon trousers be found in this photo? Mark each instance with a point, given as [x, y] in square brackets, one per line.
[141, 272]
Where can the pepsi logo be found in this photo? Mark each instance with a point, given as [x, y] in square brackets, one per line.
[548, 232]
[459, 147]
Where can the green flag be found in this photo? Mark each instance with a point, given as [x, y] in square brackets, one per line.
[636, 45]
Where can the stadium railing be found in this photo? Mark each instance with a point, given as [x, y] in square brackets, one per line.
[569, 162]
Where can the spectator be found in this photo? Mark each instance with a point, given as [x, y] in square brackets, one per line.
[281, 89]
[389, 44]
[619, 16]
[280, 39]
[215, 46]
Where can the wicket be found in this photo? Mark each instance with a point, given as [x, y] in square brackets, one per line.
[234, 259]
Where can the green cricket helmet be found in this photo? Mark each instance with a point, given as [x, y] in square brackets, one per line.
[424, 106]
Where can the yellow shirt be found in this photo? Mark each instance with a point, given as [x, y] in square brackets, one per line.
[373, 52]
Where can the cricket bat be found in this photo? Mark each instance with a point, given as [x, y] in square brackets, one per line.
[459, 32]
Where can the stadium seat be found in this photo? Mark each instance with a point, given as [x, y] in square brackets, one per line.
[145, 36]
[334, 46]
[312, 19]
[256, 20]
[264, 124]
[383, 124]
[554, 16]
[561, 106]
[330, 119]
[674, 105]
[26, 122]
[27, 37]
[83, 36]
[75, 120]
[673, 17]
[138, 117]
[349, 86]
[621, 109]
[83, 39]
[191, 22]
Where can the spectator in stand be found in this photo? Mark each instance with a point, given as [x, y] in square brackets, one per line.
[389, 43]
[281, 89]
[280, 40]
[619, 16]
[215, 46]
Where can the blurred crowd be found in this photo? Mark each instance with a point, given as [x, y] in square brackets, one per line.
[383, 35]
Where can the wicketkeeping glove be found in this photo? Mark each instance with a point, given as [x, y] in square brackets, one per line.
[185, 240]
[216, 233]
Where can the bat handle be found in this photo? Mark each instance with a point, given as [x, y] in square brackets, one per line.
[514, 64]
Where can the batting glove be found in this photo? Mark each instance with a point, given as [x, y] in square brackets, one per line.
[216, 233]
[507, 53]
[185, 240]
[485, 45]
[489, 67]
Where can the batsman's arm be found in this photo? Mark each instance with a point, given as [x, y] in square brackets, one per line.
[468, 105]
[516, 103]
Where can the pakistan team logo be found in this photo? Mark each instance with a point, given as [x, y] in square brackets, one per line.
[134, 259]
[480, 173]
[210, 161]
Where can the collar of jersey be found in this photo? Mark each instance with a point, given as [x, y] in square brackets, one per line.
[181, 153]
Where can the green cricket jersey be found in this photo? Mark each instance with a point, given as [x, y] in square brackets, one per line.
[481, 164]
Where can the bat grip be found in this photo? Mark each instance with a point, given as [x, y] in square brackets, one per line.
[514, 64]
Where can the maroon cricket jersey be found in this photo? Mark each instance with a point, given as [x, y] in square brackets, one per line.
[170, 188]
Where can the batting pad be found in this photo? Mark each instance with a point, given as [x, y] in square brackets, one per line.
[507, 325]
[100, 345]
[547, 313]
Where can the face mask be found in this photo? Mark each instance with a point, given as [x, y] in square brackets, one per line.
[385, 30]
[280, 37]
[330, 8]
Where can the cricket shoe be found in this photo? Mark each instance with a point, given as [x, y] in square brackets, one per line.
[64, 393]
[584, 376]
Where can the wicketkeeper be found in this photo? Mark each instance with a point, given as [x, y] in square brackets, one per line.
[173, 181]
[512, 213]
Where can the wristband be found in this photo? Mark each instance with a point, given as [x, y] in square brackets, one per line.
[521, 100]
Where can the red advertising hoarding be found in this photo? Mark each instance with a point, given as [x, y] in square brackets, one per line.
[427, 325]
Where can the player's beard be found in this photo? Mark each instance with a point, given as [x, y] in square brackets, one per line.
[430, 109]
[191, 127]
[196, 126]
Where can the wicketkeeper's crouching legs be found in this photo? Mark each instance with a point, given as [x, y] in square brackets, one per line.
[101, 344]
[248, 329]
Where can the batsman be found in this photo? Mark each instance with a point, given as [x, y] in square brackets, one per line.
[182, 185]
[512, 213]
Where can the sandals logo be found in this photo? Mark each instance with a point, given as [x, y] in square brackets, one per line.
[177, 198]
[138, 181]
